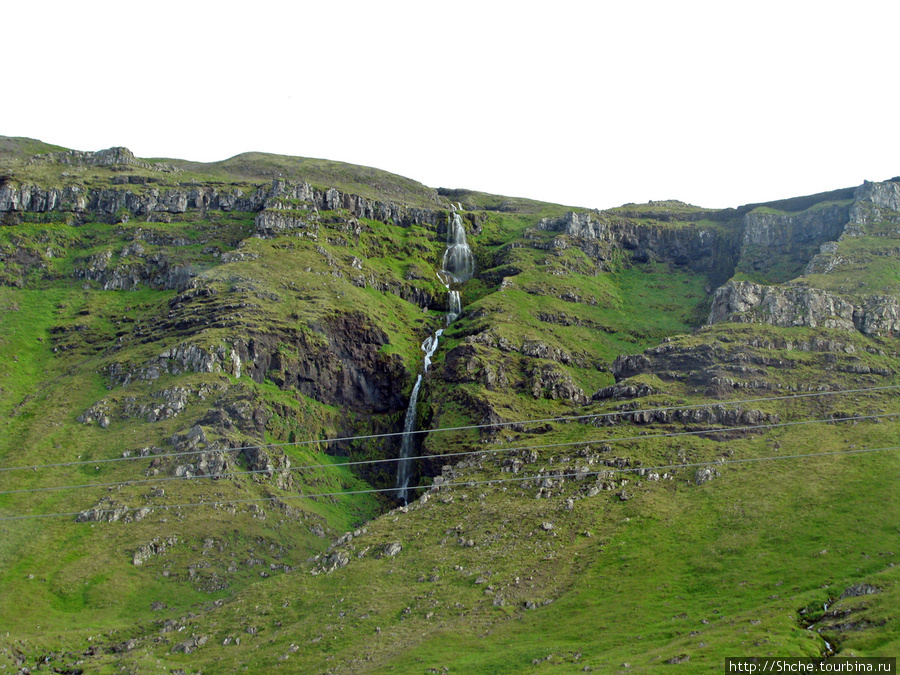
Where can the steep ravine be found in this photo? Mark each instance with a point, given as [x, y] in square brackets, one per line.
[457, 267]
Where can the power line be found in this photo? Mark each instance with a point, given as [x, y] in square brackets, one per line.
[460, 428]
[232, 474]
[442, 486]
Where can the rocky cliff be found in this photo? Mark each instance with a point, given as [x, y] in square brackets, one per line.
[704, 249]
[797, 305]
[16, 197]
[779, 245]
[822, 291]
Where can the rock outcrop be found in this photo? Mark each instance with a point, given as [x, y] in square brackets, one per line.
[787, 306]
[338, 362]
[701, 249]
[155, 271]
[882, 194]
[716, 415]
[109, 202]
[116, 156]
[727, 360]
[782, 244]
[814, 242]
[109, 511]
[142, 200]
[548, 381]
[802, 306]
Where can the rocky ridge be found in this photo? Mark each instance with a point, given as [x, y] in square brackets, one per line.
[274, 201]
[110, 157]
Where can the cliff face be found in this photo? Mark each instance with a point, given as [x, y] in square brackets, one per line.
[780, 245]
[833, 287]
[702, 249]
[791, 306]
[884, 195]
[19, 198]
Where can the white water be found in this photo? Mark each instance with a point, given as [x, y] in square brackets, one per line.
[455, 307]
[829, 648]
[430, 346]
[404, 466]
[458, 263]
[458, 266]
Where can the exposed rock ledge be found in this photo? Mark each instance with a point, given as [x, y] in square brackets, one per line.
[796, 306]
[275, 199]
[117, 156]
[599, 235]
[338, 362]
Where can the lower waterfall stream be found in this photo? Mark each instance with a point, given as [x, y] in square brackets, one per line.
[457, 266]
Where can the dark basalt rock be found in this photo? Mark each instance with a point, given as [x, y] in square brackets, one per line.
[701, 249]
[340, 364]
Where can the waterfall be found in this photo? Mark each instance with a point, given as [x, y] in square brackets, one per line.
[455, 307]
[430, 346]
[458, 263]
[404, 466]
[457, 266]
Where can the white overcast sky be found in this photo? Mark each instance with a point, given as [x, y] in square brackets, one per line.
[583, 103]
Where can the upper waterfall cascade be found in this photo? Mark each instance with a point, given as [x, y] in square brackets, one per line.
[458, 262]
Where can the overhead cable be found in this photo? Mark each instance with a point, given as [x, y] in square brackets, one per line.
[617, 413]
[232, 474]
[442, 486]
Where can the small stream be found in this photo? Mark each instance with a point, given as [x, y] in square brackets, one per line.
[830, 649]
